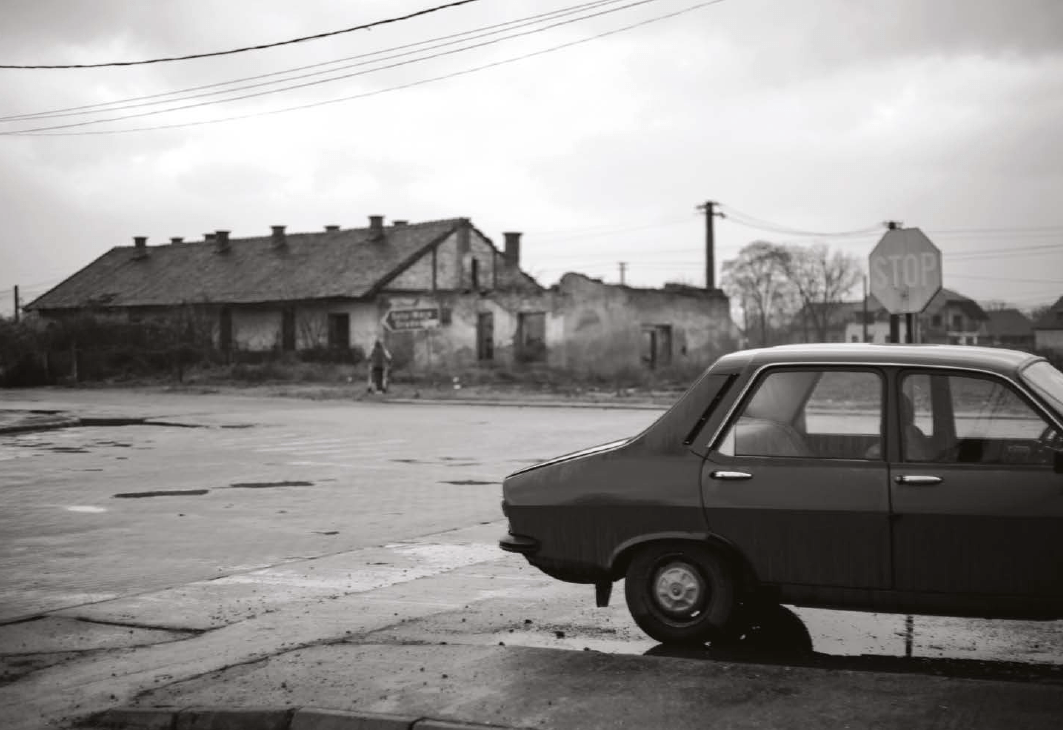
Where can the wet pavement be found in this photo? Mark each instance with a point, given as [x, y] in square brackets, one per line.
[143, 556]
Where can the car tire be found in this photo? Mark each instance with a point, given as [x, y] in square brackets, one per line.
[680, 593]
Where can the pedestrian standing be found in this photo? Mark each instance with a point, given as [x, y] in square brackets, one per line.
[379, 367]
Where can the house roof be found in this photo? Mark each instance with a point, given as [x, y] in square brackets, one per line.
[1009, 323]
[945, 296]
[330, 264]
[1052, 318]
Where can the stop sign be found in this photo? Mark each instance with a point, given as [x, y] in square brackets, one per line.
[905, 270]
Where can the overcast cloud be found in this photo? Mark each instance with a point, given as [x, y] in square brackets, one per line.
[823, 115]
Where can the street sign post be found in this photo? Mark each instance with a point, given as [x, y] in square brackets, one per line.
[905, 271]
[402, 320]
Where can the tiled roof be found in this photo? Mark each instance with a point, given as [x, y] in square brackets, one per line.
[330, 264]
[1009, 322]
[945, 296]
[1052, 319]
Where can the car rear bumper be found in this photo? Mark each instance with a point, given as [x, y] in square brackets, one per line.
[519, 544]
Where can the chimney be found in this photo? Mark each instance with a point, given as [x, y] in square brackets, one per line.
[222, 239]
[279, 239]
[376, 227]
[141, 243]
[512, 251]
[331, 229]
[177, 239]
[399, 224]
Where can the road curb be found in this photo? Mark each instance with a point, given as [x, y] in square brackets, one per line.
[527, 404]
[260, 718]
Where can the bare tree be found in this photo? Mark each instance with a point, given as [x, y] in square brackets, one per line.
[822, 280]
[757, 279]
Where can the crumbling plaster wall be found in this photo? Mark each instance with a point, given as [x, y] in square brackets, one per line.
[603, 325]
[453, 346]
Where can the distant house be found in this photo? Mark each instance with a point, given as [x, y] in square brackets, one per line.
[438, 293]
[1010, 328]
[837, 316]
[332, 289]
[949, 318]
[1048, 329]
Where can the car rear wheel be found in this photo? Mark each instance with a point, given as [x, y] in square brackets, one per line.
[680, 593]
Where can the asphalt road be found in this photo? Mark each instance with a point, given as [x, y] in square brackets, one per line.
[255, 526]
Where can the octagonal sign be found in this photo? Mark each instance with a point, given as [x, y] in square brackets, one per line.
[905, 270]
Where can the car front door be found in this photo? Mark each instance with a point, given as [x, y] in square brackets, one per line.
[978, 509]
[798, 482]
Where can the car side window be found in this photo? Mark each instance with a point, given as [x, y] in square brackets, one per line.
[825, 414]
[989, 422]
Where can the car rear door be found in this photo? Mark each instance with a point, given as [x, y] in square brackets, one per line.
[796, 478]
[982, 514]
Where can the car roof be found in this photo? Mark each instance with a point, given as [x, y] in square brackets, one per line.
[994, 359]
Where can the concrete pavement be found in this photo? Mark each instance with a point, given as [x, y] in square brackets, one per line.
[297, 652]
[510, 687]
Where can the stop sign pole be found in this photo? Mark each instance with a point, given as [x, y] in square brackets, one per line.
[905, 268]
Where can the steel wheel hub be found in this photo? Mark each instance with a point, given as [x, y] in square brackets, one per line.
[678, 588]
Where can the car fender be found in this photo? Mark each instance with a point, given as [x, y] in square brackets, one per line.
[621, 555]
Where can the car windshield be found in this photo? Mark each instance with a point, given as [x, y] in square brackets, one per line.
[1048, 382]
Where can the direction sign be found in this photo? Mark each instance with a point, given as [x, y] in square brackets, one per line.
[905, 270]
[411, 319]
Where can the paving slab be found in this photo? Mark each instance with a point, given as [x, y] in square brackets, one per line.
[528, 687]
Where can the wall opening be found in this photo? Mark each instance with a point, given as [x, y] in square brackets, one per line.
[339, 331]
[288, 329]
[485, 336]
[531, 336]
[225, 329]
[657, 345]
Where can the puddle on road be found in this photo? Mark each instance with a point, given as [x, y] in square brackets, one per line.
[163, 493]
[269, 485]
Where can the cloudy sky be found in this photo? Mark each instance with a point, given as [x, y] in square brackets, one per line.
[826, 116]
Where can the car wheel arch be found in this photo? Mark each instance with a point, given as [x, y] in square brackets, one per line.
[626, 551]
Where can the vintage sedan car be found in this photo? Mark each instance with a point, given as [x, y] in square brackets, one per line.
[899, 478]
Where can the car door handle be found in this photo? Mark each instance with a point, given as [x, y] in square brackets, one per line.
[730, 475]
[918, 480]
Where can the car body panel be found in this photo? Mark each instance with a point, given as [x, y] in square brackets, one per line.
[823, 530]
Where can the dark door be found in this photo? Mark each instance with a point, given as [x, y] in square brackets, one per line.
[225, 330]
[978, 508]
[339, 331]
[288, 329]
[797, 481]
[485, 336]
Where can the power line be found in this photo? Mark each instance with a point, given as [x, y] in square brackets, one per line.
[154, 99]
[749, 221]
[244, 49]
[421, 82]
[318, 82]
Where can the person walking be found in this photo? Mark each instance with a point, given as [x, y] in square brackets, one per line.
[379, 367]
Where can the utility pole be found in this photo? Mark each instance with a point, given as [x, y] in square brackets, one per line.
[16, 303]
[623, 270]
[710, 243]
[865, 308]
[895, 319]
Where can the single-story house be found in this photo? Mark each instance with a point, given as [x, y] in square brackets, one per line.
[440, 295]
[1048, 329]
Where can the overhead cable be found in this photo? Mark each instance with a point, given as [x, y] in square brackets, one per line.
[245, 49]
[376, 92]
[190, 92]
[327, 80]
